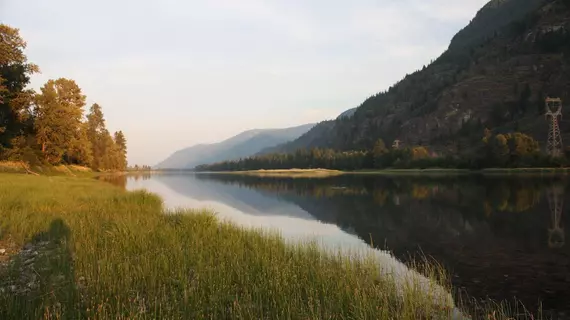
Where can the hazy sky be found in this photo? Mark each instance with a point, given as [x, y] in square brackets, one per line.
[171, 74]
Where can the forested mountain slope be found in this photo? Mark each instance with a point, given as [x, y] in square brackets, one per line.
[242, 145]
[495, 74]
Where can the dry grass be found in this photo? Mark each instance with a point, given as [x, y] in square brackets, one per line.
[11, 166]
[18, 167]
[291, 173]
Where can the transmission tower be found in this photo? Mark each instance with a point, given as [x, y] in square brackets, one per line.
[556, 235]
[554, 113]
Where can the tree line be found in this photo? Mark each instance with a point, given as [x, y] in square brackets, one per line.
[510, 150]
[50, 127]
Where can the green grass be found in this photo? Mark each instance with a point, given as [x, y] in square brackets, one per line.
[113, 254]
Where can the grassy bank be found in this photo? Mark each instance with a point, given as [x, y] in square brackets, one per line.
[65, 170]
[92, 250]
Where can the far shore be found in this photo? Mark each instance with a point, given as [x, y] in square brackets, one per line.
[287, 173]
[323, 173]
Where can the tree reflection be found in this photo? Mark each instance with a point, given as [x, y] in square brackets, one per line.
[501, 237]
[120, 180]
[489, 199]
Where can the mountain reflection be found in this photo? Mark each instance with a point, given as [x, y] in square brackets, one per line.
[500, 237]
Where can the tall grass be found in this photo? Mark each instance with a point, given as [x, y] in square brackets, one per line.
[112, 254]
[21, 167]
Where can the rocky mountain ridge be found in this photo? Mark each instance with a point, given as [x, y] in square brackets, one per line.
[495, 74]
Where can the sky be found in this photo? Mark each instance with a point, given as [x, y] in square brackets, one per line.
[171, 74]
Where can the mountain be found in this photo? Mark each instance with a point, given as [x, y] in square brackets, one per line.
[495, 74]
[348, 113]
[242, 145]
[313, 137]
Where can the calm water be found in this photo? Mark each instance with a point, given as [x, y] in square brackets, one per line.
[500, 237]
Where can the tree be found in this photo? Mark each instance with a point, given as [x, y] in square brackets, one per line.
[110, 152]
[48, 125]
[15, 100]
[499, 150]
[522, 147]
[95, 134]
[81, 151]
[379, 152]
[121, 143]
[58, 118]
[419, 153]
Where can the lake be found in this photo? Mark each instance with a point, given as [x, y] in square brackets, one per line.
[500, 237]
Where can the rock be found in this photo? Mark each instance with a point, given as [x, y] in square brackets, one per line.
[2, 251]
[29, 261]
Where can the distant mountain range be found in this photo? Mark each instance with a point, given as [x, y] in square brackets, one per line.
[495, 74]
[242, 145]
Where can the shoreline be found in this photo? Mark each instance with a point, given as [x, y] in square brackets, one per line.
[325, 173]
[107, 243]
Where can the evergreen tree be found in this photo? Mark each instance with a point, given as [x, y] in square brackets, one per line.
[95, 134]
[379, 151]
[15, 100]
[109, 152]
[121, 144]
[58, 118]
[49, 125]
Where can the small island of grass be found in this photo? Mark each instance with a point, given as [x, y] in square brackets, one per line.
[289, 173]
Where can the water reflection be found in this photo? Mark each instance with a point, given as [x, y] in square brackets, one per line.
[500, 237]
[121, 179]
[556, 235]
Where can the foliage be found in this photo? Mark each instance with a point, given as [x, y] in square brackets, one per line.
[509, 150]
[58, 116]
[49, 127]
[15, 99]
[137, 167]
